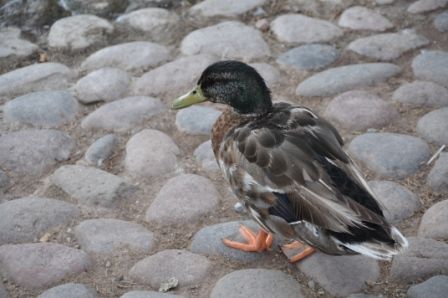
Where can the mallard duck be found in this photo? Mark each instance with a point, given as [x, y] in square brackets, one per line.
[288, 167]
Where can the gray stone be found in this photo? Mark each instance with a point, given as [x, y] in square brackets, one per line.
[148, 294]
[438, 176]
[434, 223]
[11, 45]
[112, 235]
[422, 259]
[28, 15]
[422, 94]
[390, 155]
[380, 2]
[174, 78]
[105, 84]
[95, 7]
[345, 78]
[298, 28]
[33, 152]
[42, 109]
[132, 112]
[231, 8]
[340, 275]
[183, 199]
[131, 56]
[78, 32]
[186, 267]
[269, 73]
[309, 57]
[39, 265]
[101, 150]
[26, 219]
[399, 202]
[4, 180]
[36, 77]
[363, 18]
[360, 110]
[204, 154]
[433, 126]
[197, 119]
[388, 46]
[257, 283]
[435, 287]
[362, 295]
[441, 22]
[3, 292]
[70, 290]
[151, 153]
[90, 186]
[432, 66]
[229, 39]
[421, 6]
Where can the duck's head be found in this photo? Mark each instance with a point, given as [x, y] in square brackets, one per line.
[232, 83]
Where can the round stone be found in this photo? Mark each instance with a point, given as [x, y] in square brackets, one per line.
[183, 199]
[4, 180]
[149, 294]
[298, 28]
[432, 66]
[269, 73]
[257, 283]
[151, 153]
[422, 94]
[70, 290]
[363, 18]
[186, 267]
[230, 8]
[78, 32]
[309, 57]
[95, 7]
[204, 154]
[441, 22]
[11, 45]
[390, 155]
[360, 110]
[197, 119]
[230, 39]
[435, 287]
[438, 176]
[44, 109]
[101, 150]
[132, 112]
[421, 6]
[105, 84]
[434, 126]
[434, 222]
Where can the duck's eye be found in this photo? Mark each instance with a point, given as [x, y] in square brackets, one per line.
[194, 92]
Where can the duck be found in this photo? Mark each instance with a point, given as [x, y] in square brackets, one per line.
[288, 168]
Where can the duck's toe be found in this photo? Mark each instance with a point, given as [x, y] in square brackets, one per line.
[255, 242]
[296, 251]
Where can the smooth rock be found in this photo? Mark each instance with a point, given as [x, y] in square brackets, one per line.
[421, 6]
[441, 22]
[360, 110]
[269, 73]
[186, 267]
[230, 39]
[132, 112]
[230, 8]
[390, 155]
[4, 180]
[183, 199]
[148, 294]
[131, 56]
[151, 153]
[70, 290]
[340, 275]
[101, 150]
[32, 152]
[105, 84]
[399, 202]
[434, 223]
[422, 259]
[438, 176]
[42, 109]
[309, 57]
[381, 2]
[257, 283]
[435, 287]
[363, 18]
[433, 126]
[388, 46]
[11, 45]
[422, 94]
[204, 154]
[345, 78]
[362, 295]
[95, 7]
[90, 186]
[28, 15]
[78, 32]
[298, 28]
[39, 265]
[174, 78]
[112, 235]
[36, 77]
[3, 292]
[432, 66]
[196, 119]
[26, 219]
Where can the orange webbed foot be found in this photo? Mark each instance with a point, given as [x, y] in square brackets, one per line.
[296, 251]
[255, 242]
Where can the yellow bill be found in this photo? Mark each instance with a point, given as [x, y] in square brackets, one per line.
[193, 97]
